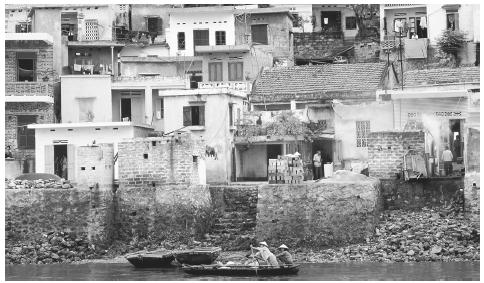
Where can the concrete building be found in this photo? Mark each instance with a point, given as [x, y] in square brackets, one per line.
[86, 37]
[337, 20]
[29, 95]
[17, 19]
[307, 94]
[439, 102]
[302, 11]
[151, 20]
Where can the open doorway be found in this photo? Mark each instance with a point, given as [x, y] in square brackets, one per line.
[125, 109]
[326, 146]
[455, 139]
[273, 151]
[60, 160]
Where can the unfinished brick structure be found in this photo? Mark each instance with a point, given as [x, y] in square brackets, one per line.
[148, 162]
[29, 93]
[95, 165]
[386, 151]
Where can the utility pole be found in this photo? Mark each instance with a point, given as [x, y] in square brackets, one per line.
[400, 50]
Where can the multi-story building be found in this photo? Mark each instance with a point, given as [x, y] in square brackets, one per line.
[29, 95]
[17, 19]
[335, 20]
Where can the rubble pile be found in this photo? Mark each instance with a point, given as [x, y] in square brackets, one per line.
[54, 247]
[403, 236]
[38, 184]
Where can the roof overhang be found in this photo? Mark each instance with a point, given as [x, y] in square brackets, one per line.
[94, 43]
[87, 125]
[415, 94]
[222, 48]
[29, 98]
[207, 91]
[159, 59]
[38, 36]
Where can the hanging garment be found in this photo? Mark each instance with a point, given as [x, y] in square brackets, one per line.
[423, 22]
[77, 67]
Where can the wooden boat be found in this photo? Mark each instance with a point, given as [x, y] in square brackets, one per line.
[198, 255]
[240, 270]
[151, 259]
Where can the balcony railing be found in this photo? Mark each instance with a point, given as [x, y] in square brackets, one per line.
[147, 78]
[29, 89]
[235, 85]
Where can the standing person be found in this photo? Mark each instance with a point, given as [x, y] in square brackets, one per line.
[284, 256]
[8, 152]
[456, 147]
[265, 254]
[447, 157]
[317, 163]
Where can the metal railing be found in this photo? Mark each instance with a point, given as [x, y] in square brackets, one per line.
[29, 89]
[236, 85]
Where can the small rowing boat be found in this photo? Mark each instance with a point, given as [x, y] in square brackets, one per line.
[198, 256]
[151, 259]
[240, 270]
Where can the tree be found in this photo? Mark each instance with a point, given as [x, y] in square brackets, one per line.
[367, 20]
[450, 42]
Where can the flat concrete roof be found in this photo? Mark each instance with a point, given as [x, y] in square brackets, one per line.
[95, 43]
[40, 36]
[87, 125]
[222, 48]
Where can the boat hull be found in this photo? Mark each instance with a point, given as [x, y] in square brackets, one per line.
[241, 270]
[197, 257]
[151, 260]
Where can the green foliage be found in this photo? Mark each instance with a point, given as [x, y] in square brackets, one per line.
[451, 42]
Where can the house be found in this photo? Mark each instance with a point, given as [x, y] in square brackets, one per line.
[313, 98]
[401, 23]
[29, 95]
[16, 18]
[150, 19]
[302, 16]
[266, 30]
[440, 102]
[337, 20]
[86, 37]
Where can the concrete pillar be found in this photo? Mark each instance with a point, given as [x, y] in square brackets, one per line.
[148, 105]
[293, 104]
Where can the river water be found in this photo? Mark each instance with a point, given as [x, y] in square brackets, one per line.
[309, 271]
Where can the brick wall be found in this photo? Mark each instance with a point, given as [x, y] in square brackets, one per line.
[159, 160]
[366, 52]
[315, 44]
[472, 179]
[386, 151]
[44, 62]
[95, 164]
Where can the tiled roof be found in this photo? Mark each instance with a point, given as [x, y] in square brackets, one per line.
[313, 82]
[441, 76]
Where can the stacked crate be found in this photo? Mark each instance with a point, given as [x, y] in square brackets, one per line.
[285, 170]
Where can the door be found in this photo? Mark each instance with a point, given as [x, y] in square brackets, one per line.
[331, 21]
[273, 150]
[200, 37]
[125, 109]
[60, 160]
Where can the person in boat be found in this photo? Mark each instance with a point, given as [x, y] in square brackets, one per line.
[284, 256]
[263, 253]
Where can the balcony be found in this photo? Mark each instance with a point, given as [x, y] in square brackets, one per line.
[235, 85]
[222, 48]
[29, 92]
[400, 6]
[159, 82]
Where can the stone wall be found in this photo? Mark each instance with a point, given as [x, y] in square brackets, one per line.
[413, 195]
[472, 184]
[95, 165]
[318, 214]
[386, 151]
[159, 160]
[366, 52]
[315, 44]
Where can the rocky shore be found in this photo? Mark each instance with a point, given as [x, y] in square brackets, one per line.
[38, 184]
[400, 236]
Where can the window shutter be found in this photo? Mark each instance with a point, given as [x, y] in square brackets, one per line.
[146, 24]
[49, 159]
[456, 17]
[201, 110]
[187, 116]
[71, 162]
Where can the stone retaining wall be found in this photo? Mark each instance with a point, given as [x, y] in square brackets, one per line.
[318, 214]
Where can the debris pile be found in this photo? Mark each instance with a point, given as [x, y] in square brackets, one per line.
[39, 184]
[402, 236]
[54, 247]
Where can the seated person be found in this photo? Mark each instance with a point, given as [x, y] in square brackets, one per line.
[284, 256]
[263, 253]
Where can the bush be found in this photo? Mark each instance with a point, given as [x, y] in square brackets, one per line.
[451, 42]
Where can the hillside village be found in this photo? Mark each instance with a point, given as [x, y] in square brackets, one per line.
[126, 98]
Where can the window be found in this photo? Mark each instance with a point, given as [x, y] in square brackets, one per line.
[26, 66]
[350, 23]
[231, 114]
[259, 34]
[215, 72]
[181, 41]
[236, 71]
[362, 131]
[220, 37]
[194, 116]
[23, 28]
[154, 25]
[452, 20]
[200, 37]
[92, 31]
[86, 109]
[25, 136]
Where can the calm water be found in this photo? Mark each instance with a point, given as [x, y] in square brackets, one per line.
[328, 271]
